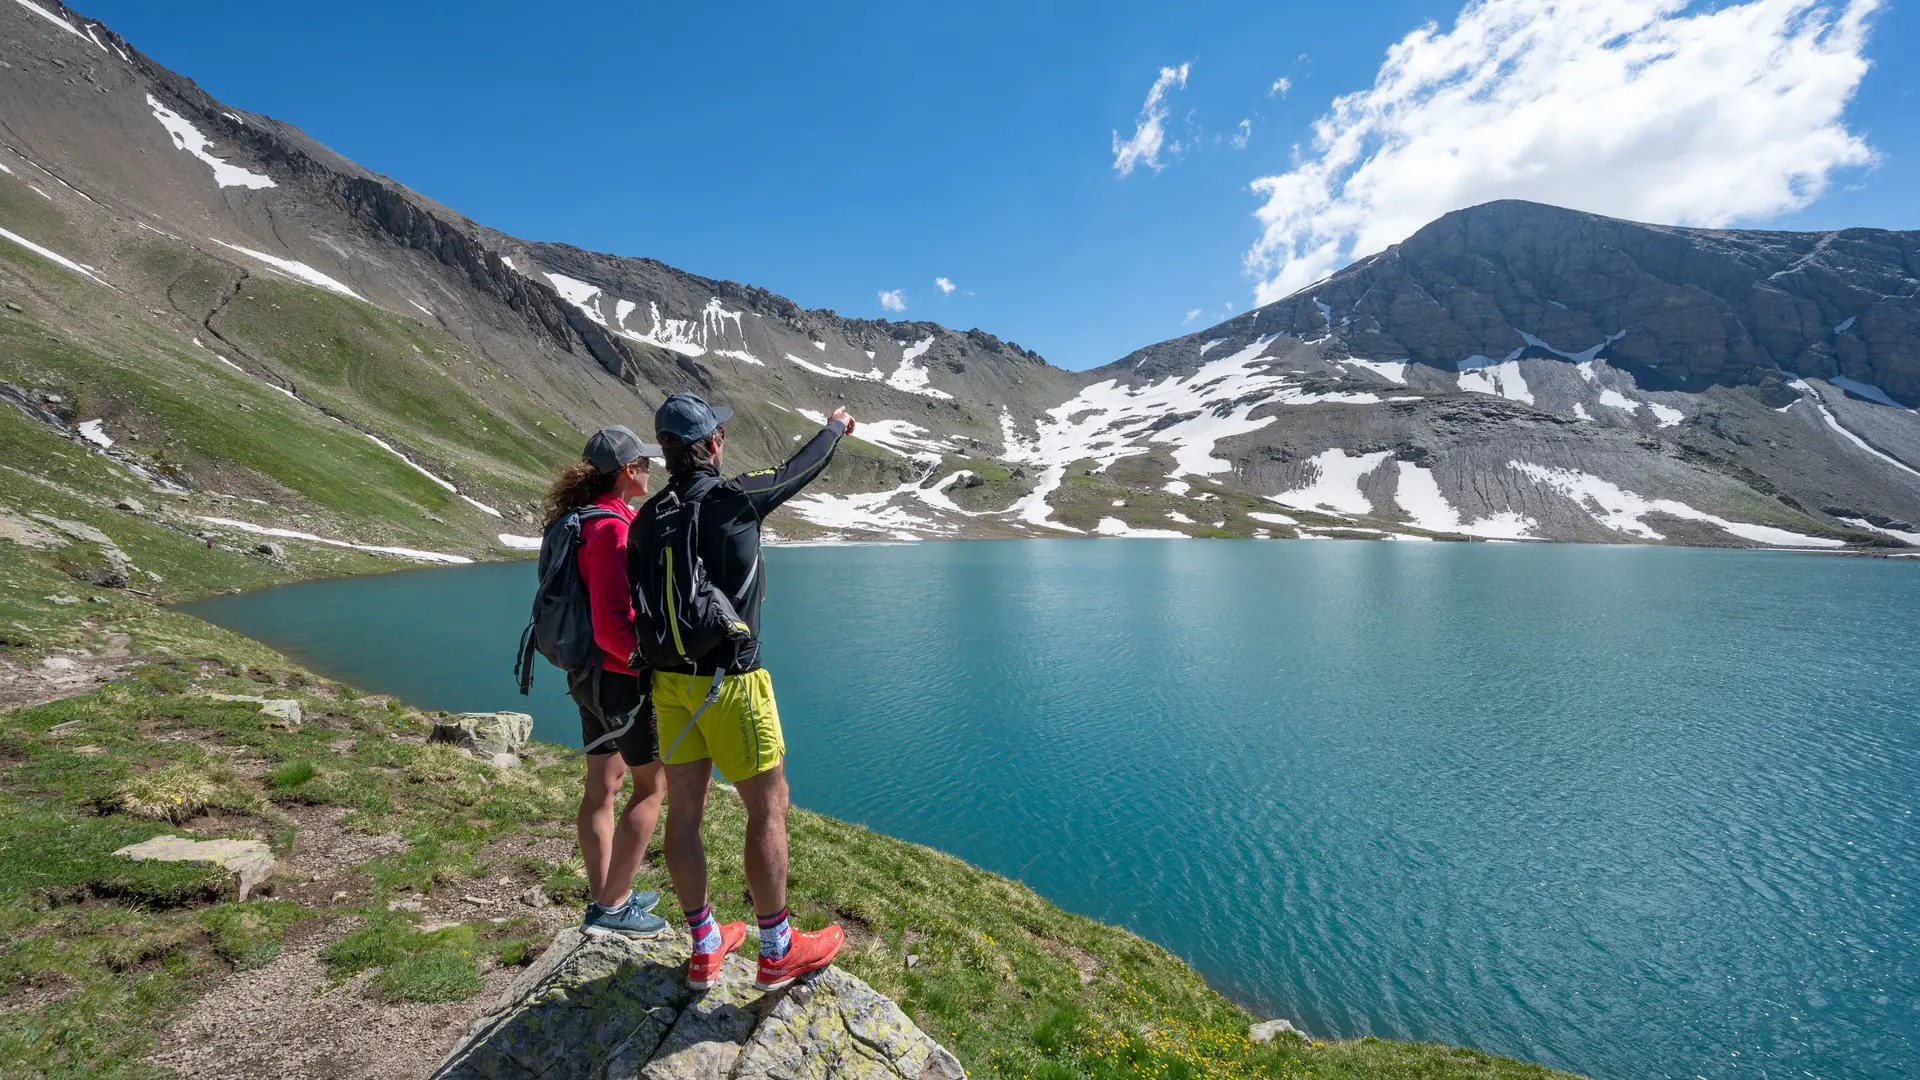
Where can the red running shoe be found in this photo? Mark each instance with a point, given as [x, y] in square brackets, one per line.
[703, 970]
[808, 953]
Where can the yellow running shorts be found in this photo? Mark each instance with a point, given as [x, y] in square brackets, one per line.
[740, 731]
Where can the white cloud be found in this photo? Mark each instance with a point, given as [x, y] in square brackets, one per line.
[1150, 131]
[1239, 139]
[893, 300]
[1282, 85]
[1633, 108]
[1191, 315]
[943, 285]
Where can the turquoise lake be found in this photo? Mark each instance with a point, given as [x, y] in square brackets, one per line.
[1632, 812]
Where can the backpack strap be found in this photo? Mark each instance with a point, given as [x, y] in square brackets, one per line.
[713, 695]
[523, 660]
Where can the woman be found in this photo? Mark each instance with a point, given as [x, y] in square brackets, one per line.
[616, 712]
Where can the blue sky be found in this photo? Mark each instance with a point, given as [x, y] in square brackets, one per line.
[834, 153]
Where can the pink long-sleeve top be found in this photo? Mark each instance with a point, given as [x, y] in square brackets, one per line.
[603, 565]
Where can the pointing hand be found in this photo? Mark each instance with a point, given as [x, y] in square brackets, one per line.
[844, 417]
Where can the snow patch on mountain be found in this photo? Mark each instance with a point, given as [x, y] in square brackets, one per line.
[1418, 493]
[1624, 511]
[1898, 534]
[1394, 371]
[873, 511]
[835, 371]
[95, 432]
[51, 17]
[1808, 393]
[714, 319]
[1336, 483]
[936, 496]
[912, 376]
[1666, 416]
[899, 436]
[299, 271]
[290, 534]
[1108, 421]
[187, 137]
[1114, 527]
[1500, 378]
[54, 257]
[580, 294]
[1584, 356]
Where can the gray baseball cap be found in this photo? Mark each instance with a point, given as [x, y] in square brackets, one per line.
[688, 417]
[616, 446]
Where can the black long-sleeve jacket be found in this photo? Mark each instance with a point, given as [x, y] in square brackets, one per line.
[729, 544]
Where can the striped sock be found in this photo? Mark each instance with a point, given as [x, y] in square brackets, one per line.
[775, 936]
[706, 932]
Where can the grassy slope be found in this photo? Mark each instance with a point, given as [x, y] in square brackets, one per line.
[99, 953]
[177, 409]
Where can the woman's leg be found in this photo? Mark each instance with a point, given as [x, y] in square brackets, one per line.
[605, 772]
[633, 831]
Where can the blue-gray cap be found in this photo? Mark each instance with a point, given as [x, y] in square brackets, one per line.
[688, 417]
[616, 446]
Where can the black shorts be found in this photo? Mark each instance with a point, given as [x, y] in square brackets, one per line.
[606, 700]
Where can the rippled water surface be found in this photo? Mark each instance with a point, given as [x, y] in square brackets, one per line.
[1633, 812]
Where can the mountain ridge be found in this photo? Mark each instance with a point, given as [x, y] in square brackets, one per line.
[1511, 371]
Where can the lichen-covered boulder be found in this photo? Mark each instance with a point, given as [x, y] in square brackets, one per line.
[608, 1008]
[590, 1008]
[836, 1026]
[484, 735]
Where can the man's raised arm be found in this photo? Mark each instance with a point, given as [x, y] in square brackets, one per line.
[768, 488]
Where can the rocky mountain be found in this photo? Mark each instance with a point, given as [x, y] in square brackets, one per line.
[273, 338]
[1519, 370]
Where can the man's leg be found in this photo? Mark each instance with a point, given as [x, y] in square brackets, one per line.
[632, 831]
[605, 772]
[765, 796]
[686, 810]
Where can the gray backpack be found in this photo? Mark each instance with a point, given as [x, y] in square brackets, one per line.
[561, 628]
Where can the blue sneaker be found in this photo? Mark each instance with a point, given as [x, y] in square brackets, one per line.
[631, 919]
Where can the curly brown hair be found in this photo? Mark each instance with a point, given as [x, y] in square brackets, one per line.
[579, 484]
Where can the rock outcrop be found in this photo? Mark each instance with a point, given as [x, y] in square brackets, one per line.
[285, 710]
[495, 736]
[608, 1008]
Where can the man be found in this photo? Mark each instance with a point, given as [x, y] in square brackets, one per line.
[738, 730]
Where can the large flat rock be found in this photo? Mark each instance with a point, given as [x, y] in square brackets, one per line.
[608, 1008]
[249, 861]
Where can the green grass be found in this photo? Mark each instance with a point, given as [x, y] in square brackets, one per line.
[292, 775]
[434, 975]
[248, 935]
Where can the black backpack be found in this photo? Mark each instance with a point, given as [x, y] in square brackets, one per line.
[561, 628]
[679, 614]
